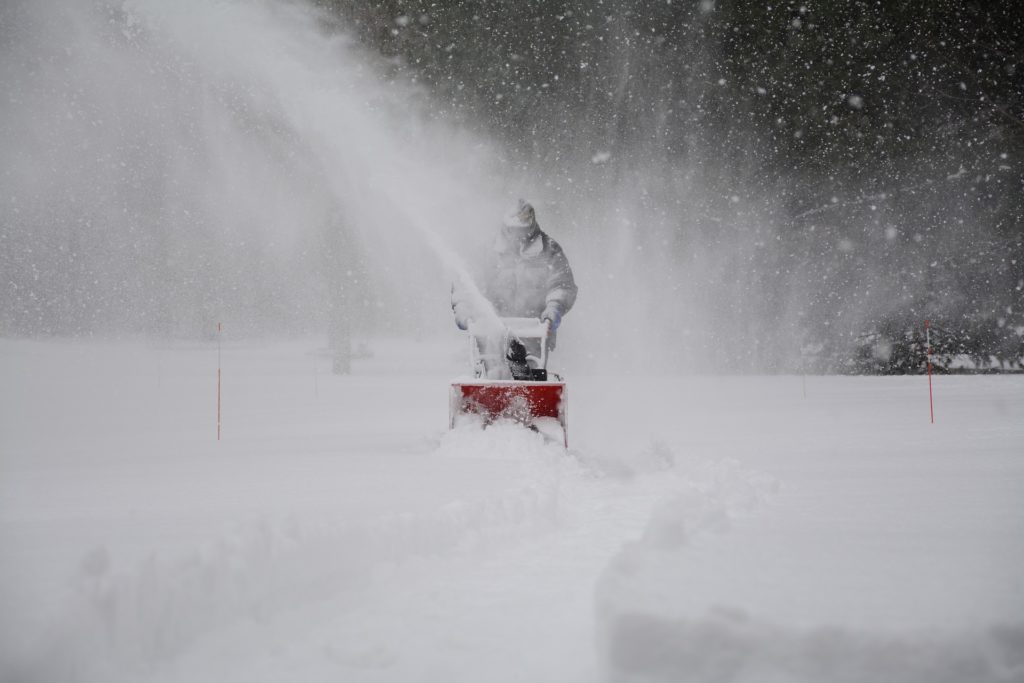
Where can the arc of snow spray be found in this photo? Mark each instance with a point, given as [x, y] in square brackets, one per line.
[454, 262]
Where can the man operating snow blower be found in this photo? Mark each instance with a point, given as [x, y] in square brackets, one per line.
[530, 287]
[529, 276]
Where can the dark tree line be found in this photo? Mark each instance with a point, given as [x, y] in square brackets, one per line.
[877, 145]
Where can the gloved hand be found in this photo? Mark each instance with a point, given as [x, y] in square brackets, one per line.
[553, 315]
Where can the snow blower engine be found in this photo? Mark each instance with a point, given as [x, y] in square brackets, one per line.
[511, 379]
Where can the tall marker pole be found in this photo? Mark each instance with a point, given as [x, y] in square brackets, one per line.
[928, 343]
[218, 381]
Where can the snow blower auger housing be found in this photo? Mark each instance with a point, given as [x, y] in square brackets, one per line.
[511, 379]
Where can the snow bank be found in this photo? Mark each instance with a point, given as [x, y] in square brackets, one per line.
[727, 645]
[643, 635]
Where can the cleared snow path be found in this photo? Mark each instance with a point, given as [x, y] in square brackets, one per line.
[512, 600]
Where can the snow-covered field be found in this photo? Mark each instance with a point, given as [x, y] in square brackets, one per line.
[700, 528]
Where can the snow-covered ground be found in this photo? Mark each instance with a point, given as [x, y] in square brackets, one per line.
[700, 528]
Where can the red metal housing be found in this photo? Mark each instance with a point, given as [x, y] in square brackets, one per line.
[520, 401]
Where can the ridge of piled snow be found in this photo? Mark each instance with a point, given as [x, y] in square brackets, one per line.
[645, 637]
[730, 645]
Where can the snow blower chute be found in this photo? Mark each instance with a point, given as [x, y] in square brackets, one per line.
[511, 379]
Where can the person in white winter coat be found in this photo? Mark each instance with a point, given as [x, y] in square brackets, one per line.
[528, 277]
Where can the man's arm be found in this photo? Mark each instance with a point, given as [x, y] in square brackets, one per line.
[561, 288]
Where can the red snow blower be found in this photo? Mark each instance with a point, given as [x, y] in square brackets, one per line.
[511, 379]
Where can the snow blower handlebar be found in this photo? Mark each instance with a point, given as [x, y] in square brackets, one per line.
[531, 328]
[506, 329]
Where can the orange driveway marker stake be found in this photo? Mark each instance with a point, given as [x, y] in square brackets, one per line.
[218, 381]
[928, 343]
